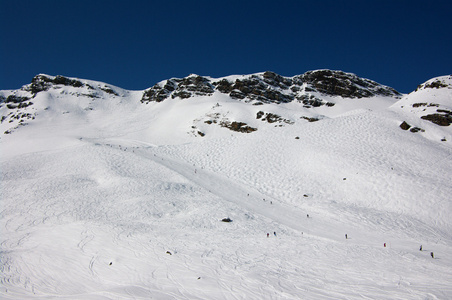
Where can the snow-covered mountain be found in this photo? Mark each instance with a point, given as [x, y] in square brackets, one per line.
[116, 194]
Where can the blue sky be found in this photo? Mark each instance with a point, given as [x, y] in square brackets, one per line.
[135, 44]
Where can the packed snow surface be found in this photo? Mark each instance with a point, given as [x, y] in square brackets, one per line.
[110, 198]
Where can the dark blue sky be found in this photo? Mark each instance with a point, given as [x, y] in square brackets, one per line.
[135, 44]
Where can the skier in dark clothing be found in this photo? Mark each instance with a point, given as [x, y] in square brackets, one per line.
[346, 237]
[420, 248]
[274, 233]
[431, 254]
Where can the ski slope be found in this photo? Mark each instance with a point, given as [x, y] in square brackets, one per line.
[124, 201]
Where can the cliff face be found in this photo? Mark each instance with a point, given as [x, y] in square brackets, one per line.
[269, 87]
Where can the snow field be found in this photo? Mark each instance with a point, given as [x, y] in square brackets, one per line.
[128, 207]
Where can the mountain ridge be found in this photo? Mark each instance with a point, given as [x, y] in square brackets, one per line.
[269, 87]
[309, 89]
[309, 97]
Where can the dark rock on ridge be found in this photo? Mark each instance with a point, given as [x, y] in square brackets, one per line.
[193, 85]
[269, 87]
[347, 85]
[41, 83]
[158, 93]
[437, 84]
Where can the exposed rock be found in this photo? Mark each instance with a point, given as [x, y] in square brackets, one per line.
[109, 90]
[271, 118]
[20, 105]
[269, 87]
[347, 85]
[312, 101]
[442, 118]
[184, 88]
[237, 126]
[16, 99]
[256, 88]
[436, 83]
[405, 125]
[237, 95]
[416, 129]
[158, 93]
[276, 80]
[310, 119]
[41, 83]
[181, 94]
[193, 85]
[425, 104]
[223, 86]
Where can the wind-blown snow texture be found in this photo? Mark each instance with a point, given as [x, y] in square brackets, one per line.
[115, 194]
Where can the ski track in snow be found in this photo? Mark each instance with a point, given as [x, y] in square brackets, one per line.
[273, 281]
[238, 271]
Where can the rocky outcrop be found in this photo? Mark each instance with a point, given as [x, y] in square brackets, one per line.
[187, 87]
[436, 83]
[13, 101]
[41, 83]
[442, 117]
[237, 126]
[271, 118]
[347, 85]
[269, 87]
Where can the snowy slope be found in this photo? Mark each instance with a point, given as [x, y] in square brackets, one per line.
[107, 196]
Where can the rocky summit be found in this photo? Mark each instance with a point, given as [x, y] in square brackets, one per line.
[269, 87]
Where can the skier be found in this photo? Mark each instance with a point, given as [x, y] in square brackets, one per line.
[307, 216]
[431, 254]
[420, 248]
[268, 234]
[274, 232]
[346, 237]
[384, 245]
